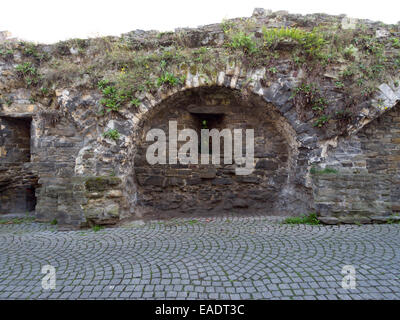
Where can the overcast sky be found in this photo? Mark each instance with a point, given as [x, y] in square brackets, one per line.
[53, 20]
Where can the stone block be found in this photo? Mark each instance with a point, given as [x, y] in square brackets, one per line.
[329, 220]
[155, 181]
[101, 183]
[114, 194]
[248, 179]
[175, 181]
[240, 203]
[94, 212]
[267, 164]
[221, 181]
[208, 173]
[193, 181]
[112, 210]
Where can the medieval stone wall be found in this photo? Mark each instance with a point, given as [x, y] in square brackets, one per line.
[55, 148]
[173, 189]
[17, 181]
[327, 139]
[364, 183]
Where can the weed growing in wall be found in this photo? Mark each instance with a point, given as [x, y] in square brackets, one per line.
[356, 61]
[168, 79]
[29, 73]
[112, 134]
[113, 97]
[310, 219]
[243, 41]
[311, 42]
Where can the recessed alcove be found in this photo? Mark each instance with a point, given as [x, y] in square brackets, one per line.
[206, 119]
[17, 183]
[176, 189]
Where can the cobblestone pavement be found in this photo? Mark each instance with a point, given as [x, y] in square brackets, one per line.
[221, 258]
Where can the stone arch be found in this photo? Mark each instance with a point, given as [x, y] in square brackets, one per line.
[311, 143]
[278, 184]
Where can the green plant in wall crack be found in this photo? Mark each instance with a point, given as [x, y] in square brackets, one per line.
[169, 79]
[321, 121]
[135, 102]
[311, 42]
[310, 219]
[29, 73]
[308, 95]
[6, 100]
[97, 228]
[395, 43]
[17, 220]
[319, 104]
[6, 53]
[32, 50]
[26, 68]
[110, 101]
[113, 98]
[227, 26]
[102, 84]
[394, 219]
[243, 41]
[273, 70]
[339, 84]
[350, 52]
[112, 134]
[9, 101]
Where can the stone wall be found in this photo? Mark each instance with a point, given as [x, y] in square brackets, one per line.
[173, 189]
[68, 169]
[364, 183]
[17, 180]
[17, 188]
[56, 143]
[15, 140]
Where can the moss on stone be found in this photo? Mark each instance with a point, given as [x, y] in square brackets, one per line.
[101, 183]
[314, 170]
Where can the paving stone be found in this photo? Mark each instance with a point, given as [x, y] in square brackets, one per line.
[178, 260]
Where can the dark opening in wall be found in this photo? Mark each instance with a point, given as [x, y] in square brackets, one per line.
[207, 121]
[17, 182]
[15, 139]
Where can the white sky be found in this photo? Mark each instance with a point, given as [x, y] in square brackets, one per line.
[53, 20]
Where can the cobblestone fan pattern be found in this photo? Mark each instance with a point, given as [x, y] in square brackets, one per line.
[222, 258]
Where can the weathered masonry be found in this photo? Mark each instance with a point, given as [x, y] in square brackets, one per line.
[17, 181]
[321, 93]
[169, 189]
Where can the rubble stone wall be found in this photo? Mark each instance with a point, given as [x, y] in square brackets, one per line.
[365, 180]
[174, 189]
[326, 123]
[17, 181]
